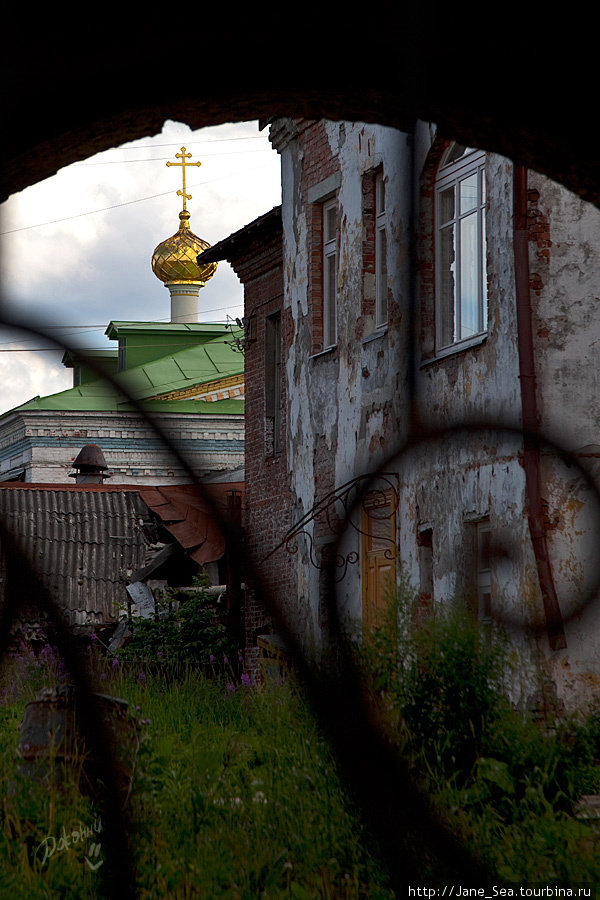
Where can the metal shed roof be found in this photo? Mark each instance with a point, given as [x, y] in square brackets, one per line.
[81, 543]
[85, 541]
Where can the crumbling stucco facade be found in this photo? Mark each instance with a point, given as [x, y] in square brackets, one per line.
[378, 388]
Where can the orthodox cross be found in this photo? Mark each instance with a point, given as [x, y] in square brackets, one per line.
[183, 156]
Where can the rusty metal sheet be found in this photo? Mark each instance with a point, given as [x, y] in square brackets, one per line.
[188, 517]
[161, 506]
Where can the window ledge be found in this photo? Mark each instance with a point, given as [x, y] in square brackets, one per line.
[455, 349]
[323, 352]
[378, 333]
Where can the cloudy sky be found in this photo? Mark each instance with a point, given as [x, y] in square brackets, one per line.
[76, 248]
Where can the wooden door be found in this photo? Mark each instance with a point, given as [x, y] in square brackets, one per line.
[378, 526]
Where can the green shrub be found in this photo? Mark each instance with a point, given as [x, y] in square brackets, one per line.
[442, 676]
[184, 632]
[505, 784]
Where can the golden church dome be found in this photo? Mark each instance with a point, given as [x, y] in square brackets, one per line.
[174, 260]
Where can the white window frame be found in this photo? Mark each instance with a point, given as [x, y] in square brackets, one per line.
[451, 176]
[381, 285]
[329, 273]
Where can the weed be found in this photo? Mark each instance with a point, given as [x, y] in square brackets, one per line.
[235, 795]
[505, 785]
[186, 629]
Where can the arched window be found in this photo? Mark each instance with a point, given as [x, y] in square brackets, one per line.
[461, 279]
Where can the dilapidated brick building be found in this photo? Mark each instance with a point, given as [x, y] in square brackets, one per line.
[255, 253]
[441, 330]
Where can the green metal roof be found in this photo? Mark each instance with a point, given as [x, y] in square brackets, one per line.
[187, 368]
[72, 357]
[196, 328]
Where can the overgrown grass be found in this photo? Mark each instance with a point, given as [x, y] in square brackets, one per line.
[508, 785]
[235, 795]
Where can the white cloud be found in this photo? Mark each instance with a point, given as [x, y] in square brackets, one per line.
[87, 260]
[22, 375]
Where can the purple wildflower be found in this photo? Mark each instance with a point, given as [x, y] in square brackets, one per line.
[212, 658]
[159, 654]
[240, 658]
[115, 663]
[142, 677]
[94, 636]
[246, 680]
[230, 687]
[103, 676]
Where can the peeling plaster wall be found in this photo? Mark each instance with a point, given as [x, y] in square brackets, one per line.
[449, 487]
[466, 476]
[565, 277]
[564, 260]
[343, 404]
[354, 399]
[348, 406]
[459, 482]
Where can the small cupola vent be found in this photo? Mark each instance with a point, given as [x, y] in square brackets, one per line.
[90, 466]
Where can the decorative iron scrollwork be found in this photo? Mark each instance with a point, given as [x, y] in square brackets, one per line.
[378, 501]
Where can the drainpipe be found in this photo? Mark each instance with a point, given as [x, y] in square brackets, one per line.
[531, 452]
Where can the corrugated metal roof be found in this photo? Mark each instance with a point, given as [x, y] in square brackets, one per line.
[85, 540]
[81, 543]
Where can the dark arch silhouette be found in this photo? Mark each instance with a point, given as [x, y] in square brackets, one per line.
[513, 82]
[509, 83]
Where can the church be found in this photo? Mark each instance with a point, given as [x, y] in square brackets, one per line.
[96, 482]
[176, 384]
